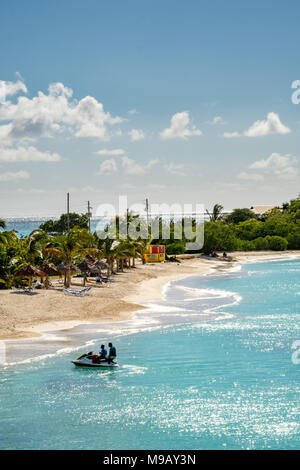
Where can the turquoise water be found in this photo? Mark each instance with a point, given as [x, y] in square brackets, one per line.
[202, 382]
[27, 225]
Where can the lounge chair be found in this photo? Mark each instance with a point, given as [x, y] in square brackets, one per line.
[101, 278]
[79, 292]
[38, 285]
[23, 290]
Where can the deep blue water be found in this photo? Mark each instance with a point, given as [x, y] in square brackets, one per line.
[27, 225]
[220, 380]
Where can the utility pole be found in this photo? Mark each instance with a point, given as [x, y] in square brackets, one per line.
[68, 212]
[89, 214]
[147, 210]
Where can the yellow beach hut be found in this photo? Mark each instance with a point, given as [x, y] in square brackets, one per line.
[155, 253]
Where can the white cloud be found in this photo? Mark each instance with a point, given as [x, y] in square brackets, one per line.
[136, 134]
[231, 135]
[218, 120]
[271, 125]
[14, 176]
[112, 152]
[108, 167]
[132, 112]
[175, 168]
[10, 89]
[283, 166]
[179, 127]
[131, 167]
[27, 154]
[250, 176]
[46, 114]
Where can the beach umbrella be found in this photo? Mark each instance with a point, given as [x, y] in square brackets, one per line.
[85, 267]
[102, 265]
[63, 269]
[50, 270]
[90, 259]
[29, 271]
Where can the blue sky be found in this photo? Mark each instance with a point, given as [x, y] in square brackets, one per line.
[214, 67]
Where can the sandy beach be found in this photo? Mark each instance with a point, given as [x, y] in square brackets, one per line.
[24, 316]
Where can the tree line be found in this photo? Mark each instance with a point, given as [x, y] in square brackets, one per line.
[241, 230]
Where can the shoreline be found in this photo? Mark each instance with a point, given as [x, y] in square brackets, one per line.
[126, 296]
[56, 311]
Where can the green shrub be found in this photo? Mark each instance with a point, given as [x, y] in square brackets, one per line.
[219, 236]
[261, 243]
[276, 243]
[247, 245]
[175, 248]
[240, 215]
[293, 240]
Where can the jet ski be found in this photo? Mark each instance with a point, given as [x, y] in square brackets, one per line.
[92, 360]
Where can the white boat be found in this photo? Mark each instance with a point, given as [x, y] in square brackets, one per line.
[86, 360]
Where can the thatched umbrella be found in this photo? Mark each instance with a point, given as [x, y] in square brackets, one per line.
[50, 270]
[29, 271]
[90, 259]
[102, 265]
[63, 269]
[85, 267]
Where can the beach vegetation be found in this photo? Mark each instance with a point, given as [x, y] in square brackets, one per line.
[65, 222]
[240, 215]
[52, 245]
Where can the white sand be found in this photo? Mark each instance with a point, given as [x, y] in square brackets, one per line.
[24, 316]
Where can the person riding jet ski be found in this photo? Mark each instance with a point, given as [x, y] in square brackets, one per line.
[112, 353]
[103, 352]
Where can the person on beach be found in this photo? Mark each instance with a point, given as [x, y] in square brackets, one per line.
[103, 352]
[112, 353]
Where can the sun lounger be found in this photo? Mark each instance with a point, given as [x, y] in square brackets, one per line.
[38, 285]
[23, 290]
[77, 292]
[100, 278]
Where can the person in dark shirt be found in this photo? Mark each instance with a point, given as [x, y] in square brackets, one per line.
[103, 352]
[112, 353]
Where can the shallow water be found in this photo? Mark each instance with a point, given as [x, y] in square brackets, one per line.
[212, 371]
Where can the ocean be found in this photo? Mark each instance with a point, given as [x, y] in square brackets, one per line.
[208, 367]
[24, 226]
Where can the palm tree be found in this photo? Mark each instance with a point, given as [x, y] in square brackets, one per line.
[12, 257]
[2, 223]
[8, 237]
[142, 246]
[36, 243]
[216, 213]
[69, 247]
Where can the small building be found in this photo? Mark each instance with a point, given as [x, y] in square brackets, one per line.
[155, 253]
[260, 210]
